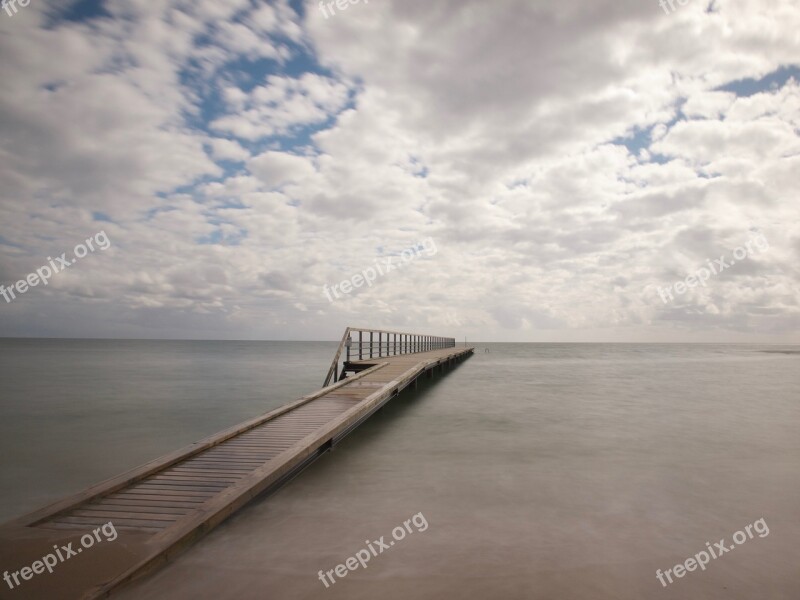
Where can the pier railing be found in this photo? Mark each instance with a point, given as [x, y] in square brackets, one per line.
[365, 344]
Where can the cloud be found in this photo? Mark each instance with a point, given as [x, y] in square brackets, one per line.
[281, 105]
[275, 169]
[567, 159]
[223, 149]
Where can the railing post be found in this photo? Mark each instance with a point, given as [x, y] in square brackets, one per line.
[396, 344]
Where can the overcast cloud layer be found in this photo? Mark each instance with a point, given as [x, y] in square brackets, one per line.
[566, 158]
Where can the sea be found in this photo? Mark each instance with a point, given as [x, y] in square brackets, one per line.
[540, 471]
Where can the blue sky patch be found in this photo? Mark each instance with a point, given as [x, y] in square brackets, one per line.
[772, 81]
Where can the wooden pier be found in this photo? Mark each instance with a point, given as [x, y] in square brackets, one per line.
[164, 506]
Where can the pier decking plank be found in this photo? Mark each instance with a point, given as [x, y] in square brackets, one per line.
[167, 504]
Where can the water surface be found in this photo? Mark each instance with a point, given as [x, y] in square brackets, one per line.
[544, 471]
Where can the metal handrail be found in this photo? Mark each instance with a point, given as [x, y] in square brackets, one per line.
[335, 364]
[394, 344]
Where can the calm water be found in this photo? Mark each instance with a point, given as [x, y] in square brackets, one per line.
[75, 412]
[544, 471]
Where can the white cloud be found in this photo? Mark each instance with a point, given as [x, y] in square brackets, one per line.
[275, 169]
[223, 149]
[282, 104]
[486, 126]
[708, 105]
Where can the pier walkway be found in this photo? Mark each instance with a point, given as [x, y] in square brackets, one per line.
[168, 504]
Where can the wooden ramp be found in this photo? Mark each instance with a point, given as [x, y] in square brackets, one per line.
[164, 506]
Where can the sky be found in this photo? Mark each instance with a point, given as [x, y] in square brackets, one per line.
[529, 171]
